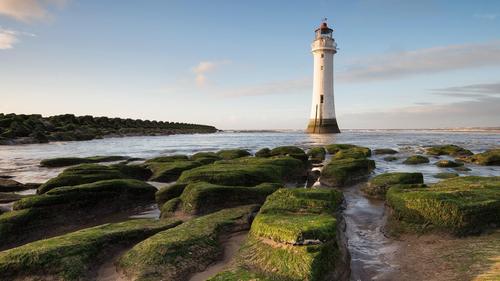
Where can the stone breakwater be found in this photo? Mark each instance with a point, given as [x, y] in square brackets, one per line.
[33, 128]
[290, 201]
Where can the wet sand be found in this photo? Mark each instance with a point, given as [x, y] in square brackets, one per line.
[108, 271]
[231, 247]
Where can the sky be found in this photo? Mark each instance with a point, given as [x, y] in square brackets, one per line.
[248, 64]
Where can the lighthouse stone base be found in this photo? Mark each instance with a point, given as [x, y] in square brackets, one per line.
[324, 126]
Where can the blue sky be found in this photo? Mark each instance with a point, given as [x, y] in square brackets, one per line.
[247, 64]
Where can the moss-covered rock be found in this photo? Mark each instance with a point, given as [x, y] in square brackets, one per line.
[346, 171]
[292, 151]
[382, 151]
[169, 208]
[205, 157]
[378, 186]
[190, 247]
[203, 198]
[247, 171]
[35, 216]
[461, 205]
[69, 161]
[80, 195]
[448, 149]
[170, 158]
[446, 175]
[488, 158]
[334, 148]
[294, 236]
[133, 171]
[448, 164]
[170, 171]
[71, 256]
[416, 159]
[357, 152]
[317, 154]
[84, 173]
[169, 192]
[390, 158]
[264, 153]
[229, 154]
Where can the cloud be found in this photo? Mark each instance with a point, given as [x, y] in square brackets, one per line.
[486, 16]
[423, 61]
[7, 39]
[29, 10]
[203, 68]
[482, 112]
[270, 88]
[472, 91]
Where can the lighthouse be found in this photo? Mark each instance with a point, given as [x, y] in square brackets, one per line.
[322, 119]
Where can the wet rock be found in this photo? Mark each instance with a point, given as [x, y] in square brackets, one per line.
[190, 247]
[229, 154]
[461, 169]
[488, 158]
[72, 256]
[317, 154]
[70, 161]
[382, 151]
[446, 175]
[9, 185]
[264, 153]
[378, 186]
[416, 159]
[448, 149]
[248, 171]
[346, 171]
[390, 158]
[7, 197]
[461, 205]
[448, 164]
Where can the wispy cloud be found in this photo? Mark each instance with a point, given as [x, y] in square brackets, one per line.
[423, 61]
[29, 10]
[8, 38]
[203, 68]
[472, 91]
[485, 16]
[270, 88]
[481, 112]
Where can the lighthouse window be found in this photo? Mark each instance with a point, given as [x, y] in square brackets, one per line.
[321, 99]
[321, 67]
[322, 55]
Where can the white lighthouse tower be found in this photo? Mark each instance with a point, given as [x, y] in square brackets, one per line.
[323, 120]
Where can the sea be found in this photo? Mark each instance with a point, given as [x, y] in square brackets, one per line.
[22, 161]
